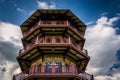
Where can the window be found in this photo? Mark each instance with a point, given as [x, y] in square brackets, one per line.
[58, 66]
[67, 67]
[48, 67]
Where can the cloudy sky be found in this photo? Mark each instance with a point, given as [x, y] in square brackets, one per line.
[102, 35]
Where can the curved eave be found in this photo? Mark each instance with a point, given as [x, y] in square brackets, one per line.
[31, 20]
[66, 12]
[76, 21]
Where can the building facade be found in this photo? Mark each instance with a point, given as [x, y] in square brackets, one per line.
[53, 43]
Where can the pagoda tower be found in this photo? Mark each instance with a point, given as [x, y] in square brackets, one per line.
[53, 43]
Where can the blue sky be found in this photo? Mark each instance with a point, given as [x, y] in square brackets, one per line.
[17, 11]
[102, 35]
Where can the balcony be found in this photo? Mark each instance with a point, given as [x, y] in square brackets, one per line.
[45, 24]
[52, 45]
[53, 41]
[53, 71]
[58, 27]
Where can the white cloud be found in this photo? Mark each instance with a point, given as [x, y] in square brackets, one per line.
[21, 10]
[102, 44]
[103, 14]
[53, 5]
[44, 5]
[10, 44]
[115, 76]
[108, 22]
[9, 31]
[11, 68]
[90, 23]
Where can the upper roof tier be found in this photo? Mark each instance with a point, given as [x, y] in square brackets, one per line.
[55, 14]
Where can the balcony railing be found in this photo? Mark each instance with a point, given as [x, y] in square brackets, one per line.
[53, 41]
[53, 70]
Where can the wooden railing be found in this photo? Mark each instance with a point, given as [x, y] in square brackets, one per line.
[35, 69]
[53, 69]
[53, 41]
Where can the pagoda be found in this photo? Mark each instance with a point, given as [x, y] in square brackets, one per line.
[53, 42]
